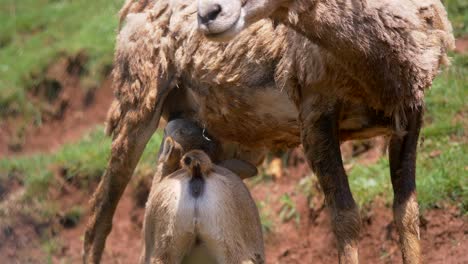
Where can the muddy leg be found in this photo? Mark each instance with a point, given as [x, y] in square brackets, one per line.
[127, 147]
[319, 122]
[402, 152]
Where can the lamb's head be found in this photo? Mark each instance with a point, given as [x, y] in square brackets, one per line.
[221, 20]
[196, 160]
[181, 136]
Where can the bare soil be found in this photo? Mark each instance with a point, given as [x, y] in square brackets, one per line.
[461, 45]
[444, 232]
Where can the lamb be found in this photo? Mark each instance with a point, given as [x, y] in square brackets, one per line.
[183, 135]
[200, 213]
[255, 93]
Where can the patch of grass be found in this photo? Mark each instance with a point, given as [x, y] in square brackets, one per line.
[262, 177]
[80, 162]
[288, 209]
[86, 158]
[265, 216]
[71, 217]
[149, 160]
[458, 15]
[367, 182]
[442, 173]
[443, 178]
[50, 247]
[36, 32]
[308, 187]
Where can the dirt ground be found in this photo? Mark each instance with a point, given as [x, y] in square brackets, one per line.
[461, 45]
[444, 232]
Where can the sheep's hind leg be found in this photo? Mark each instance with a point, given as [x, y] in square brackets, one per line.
[128, 144]
[402, 152]
[319, 120]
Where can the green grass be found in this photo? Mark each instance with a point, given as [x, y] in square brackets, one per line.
[87, 157]
[266, 216]
[288, 209]
[80, 162]
[34, 33]
[458, 15]
[441, 177]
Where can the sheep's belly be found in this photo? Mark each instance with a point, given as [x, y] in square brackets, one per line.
[265, 118]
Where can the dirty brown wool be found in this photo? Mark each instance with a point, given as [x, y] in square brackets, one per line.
[392, 49]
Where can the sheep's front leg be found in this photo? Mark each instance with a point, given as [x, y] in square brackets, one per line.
[319, 121]
[402, 152]
[128, 144]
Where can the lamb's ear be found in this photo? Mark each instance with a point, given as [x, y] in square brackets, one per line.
[167, 149]
[242, 168]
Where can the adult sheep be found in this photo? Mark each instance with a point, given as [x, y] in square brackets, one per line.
[163, 67]
[392, 48]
